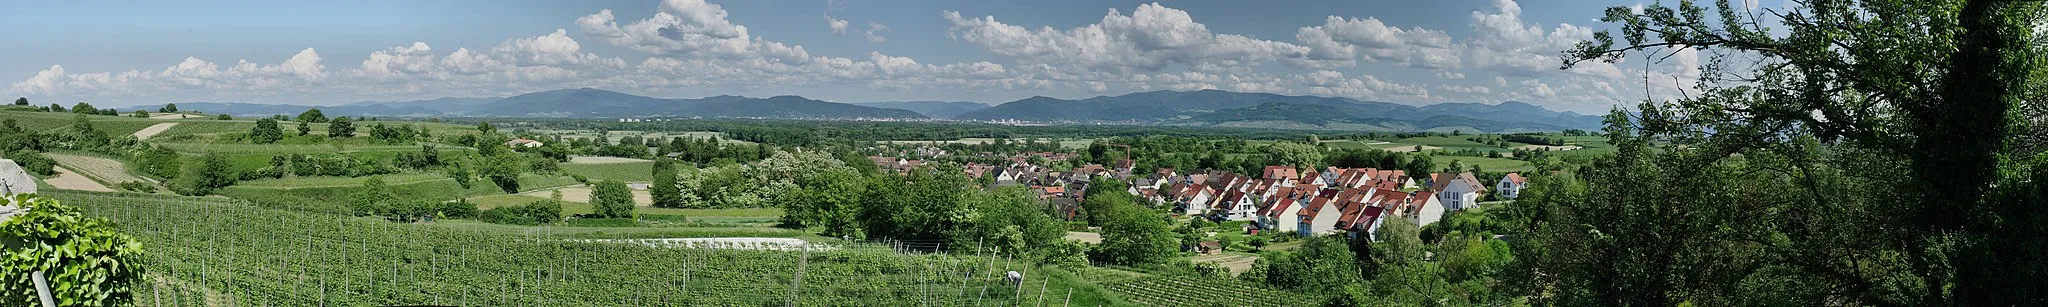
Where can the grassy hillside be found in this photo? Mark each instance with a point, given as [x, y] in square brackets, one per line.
[203, 251]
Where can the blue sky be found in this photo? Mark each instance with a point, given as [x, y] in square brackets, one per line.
[129, 53]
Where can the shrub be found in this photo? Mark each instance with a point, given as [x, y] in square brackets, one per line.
[137, 186]
[535, 213]
[34, 162]
[85, 260]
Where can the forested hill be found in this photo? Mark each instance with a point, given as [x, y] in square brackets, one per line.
[1215, 107]
[584, 103]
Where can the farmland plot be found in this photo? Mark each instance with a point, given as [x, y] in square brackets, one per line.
[106, 170]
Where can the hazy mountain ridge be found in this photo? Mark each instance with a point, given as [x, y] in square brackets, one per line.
[1198, 108]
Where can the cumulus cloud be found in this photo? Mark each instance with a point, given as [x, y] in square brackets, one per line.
[689, 28]
[838, 25]
[1151, 39]
[1342, 40]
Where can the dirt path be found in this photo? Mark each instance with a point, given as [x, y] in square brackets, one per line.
[69, 180]
[1085, 237]
[145, 133]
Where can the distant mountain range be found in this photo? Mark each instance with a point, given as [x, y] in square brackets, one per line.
[1181, 108]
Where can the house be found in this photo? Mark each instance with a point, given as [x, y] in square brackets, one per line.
[1510, 186]
[1277, 211]
[1319, 217]
[1281, 172]
[1245, 208]
[1194, 198]
[1209, 248]
[1457, 191]
[523, 143]
[1424, 208]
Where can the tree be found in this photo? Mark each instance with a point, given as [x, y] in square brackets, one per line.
[1134, 236]
[461, 173]
[21, 101]
[265, 132]
[612, 199]
[304, 128]
[665, 191]
[503, 171]
[223, 117]
[168, 108]
[1455, 167]
[141, 114]
[1298, 155]
[485, 128]
[85, 261]
[312, 116]
[1321, 264]
[341, 127]
[214, 172]
[56, 108]
[1880, 147]
[84, 108]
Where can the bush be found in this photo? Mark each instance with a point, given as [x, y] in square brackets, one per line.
[34, 162]
[535, 213]
[137, 186]
[85, 260]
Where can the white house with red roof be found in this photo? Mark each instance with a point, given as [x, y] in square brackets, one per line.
[1510, 186]
[1457, 191]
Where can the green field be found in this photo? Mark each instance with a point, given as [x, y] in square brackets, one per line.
[1484, 163]
[328, 198]
[627, 171]
[202, 251]
[573, 208]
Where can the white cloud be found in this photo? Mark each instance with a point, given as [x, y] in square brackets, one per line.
[1152, 38]
[1340, 39]
[873, 33]
[838, 25]
[689, 28]
[1450, 75]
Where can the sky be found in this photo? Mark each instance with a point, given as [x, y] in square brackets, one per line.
[130, 53]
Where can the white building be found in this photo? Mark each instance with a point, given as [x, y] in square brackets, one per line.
[1458, 191]
[1510, 186]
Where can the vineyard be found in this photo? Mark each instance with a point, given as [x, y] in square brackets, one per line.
[210, 252]
[1190, 291]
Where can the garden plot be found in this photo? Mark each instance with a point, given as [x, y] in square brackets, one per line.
[602, 160]
[69, 180]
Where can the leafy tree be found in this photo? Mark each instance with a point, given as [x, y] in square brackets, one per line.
[1321, 264]
[168, 108]
[1301, 156]
[158, 161]
[612, 199]
[1455, 167]
[503, 171]
[665, 191]
[223, 117]
[341, 127]
[534, 213]
[86, 262]
[1134, 236]
[214, 172]
[312, 116]
[1869, 156]
[304, 128]
[485, 128]
[21, 101]
[84, 108]
[1400, 243]
[141, 114]
[266, 132]
[461, 173]
[56, 108]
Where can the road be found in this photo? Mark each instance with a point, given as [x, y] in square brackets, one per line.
[145, 133]
[69, 180]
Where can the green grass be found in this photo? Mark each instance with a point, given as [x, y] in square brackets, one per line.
[338, 181]
[627, 172]
[1484, 163]
[329, 198]
[573, 208]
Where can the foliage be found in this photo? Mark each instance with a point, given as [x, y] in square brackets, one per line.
[1299, 155]
[266, 131]
[341, 127]
[664, 189]
[612, 199]
[502, 170]
[83, 108]
[311, 116]
[168, 108]
[1132, 235]
[34, 162]
[213, 172]
[535, 213]
[1321, 264]
[305, 128]
[86, 261]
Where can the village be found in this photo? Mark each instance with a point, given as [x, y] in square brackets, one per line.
[1280, 200]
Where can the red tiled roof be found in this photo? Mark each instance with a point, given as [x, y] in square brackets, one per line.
[1280, 172]
[1516, 178]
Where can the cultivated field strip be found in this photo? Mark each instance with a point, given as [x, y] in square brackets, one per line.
[209, 252]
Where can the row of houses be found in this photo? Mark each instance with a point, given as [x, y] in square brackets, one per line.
[1330, 201]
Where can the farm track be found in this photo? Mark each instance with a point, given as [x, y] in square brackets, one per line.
[153, 130]
[69, 180]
